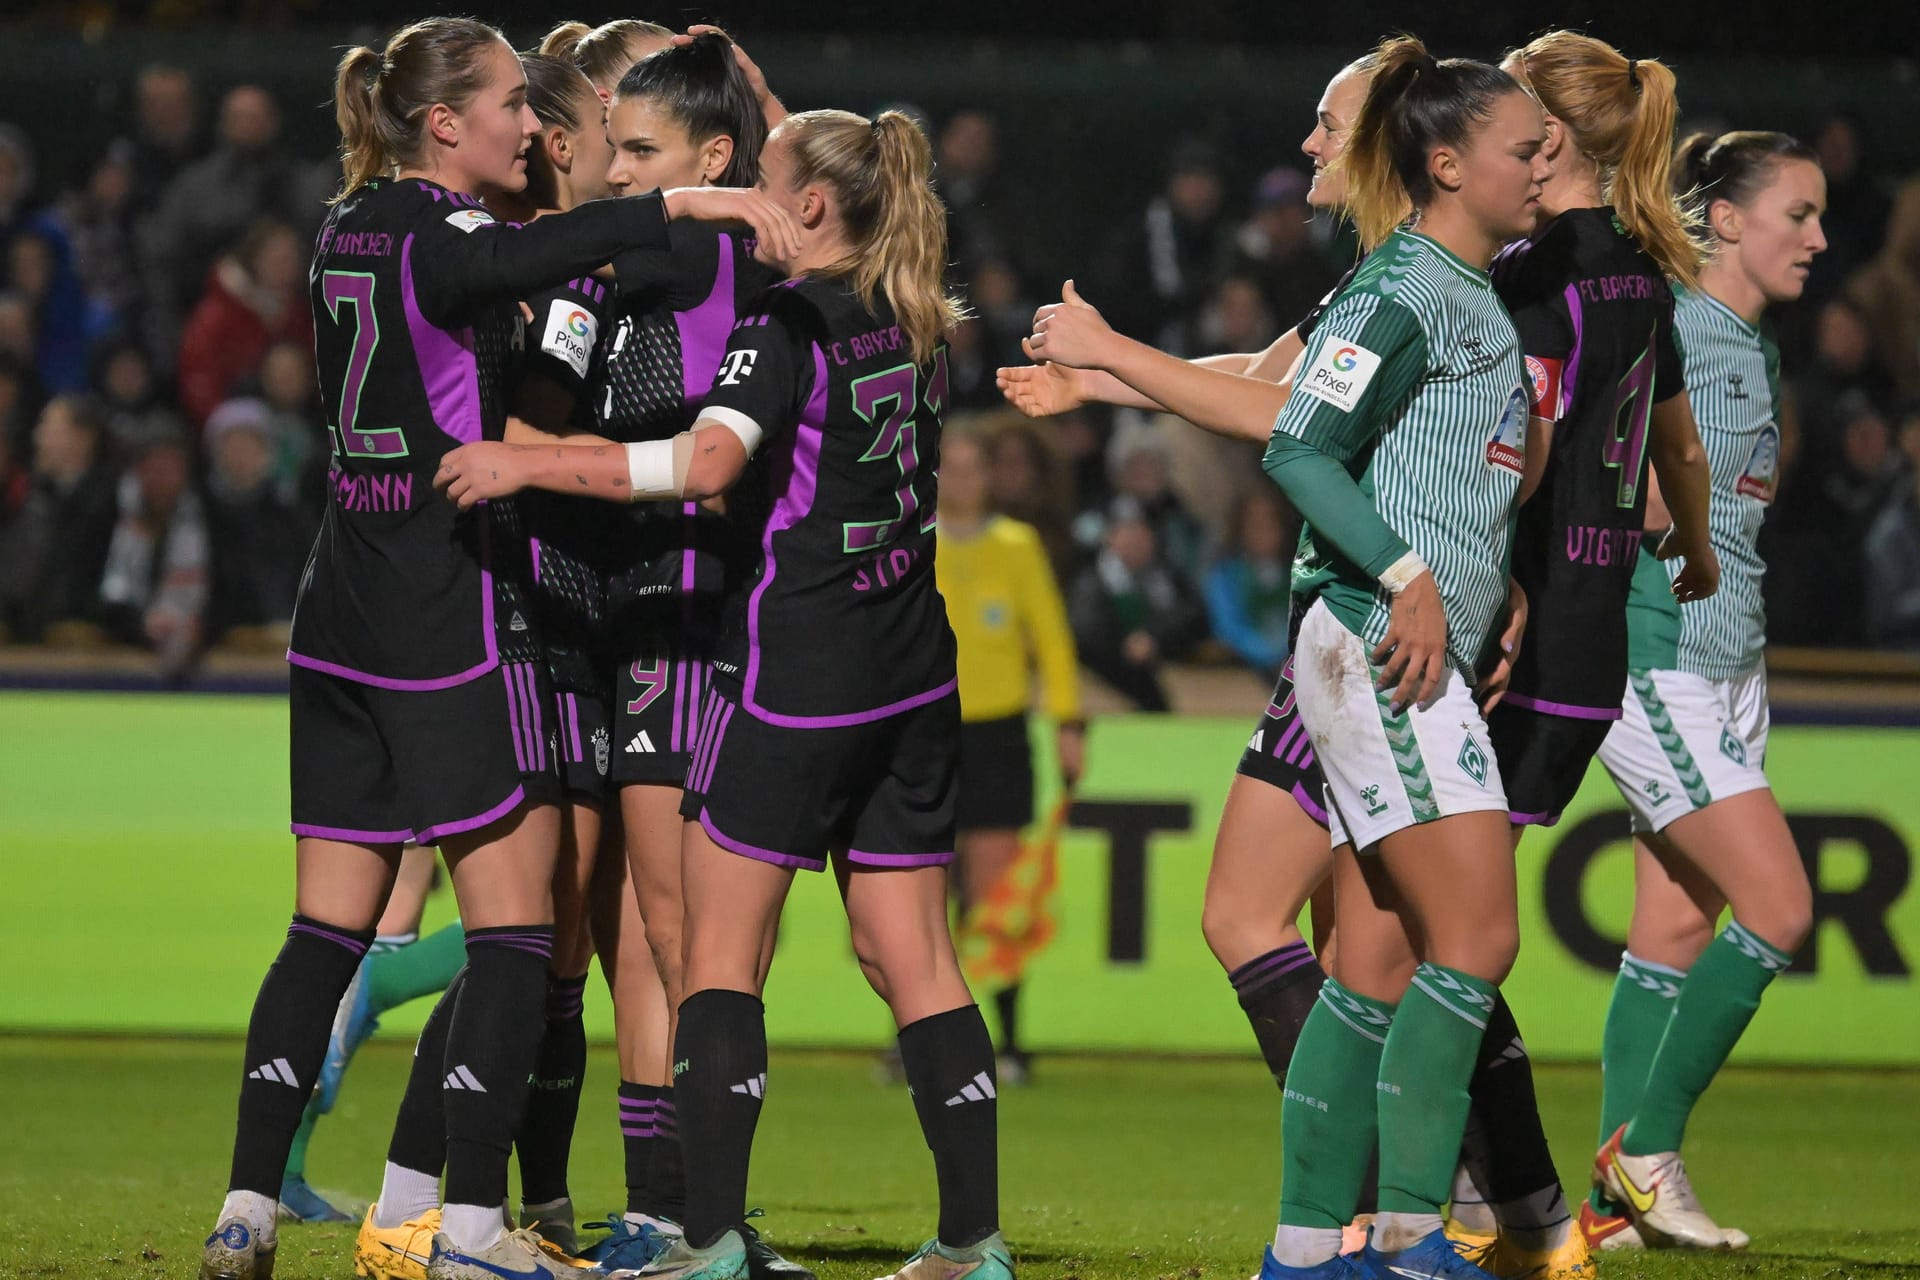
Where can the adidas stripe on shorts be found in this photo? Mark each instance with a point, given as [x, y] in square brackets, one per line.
[1386, 772]
[1684, 741]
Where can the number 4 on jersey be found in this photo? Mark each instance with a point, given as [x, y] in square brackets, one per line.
[889, 398]
[355, 289]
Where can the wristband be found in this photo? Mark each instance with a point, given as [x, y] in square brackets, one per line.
[1398, 575]
[650, 471]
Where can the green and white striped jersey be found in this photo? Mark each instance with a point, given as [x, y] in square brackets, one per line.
[1733, 380]
[1413, 381]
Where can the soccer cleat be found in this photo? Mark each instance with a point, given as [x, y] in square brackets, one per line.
[1656, 1194]
[553, 1223]
[1338, 1267]
[235, 1251]
[1571, 1260]
[629, 1247]
[1605, 1232]
[301, 1203]
[1475, 1246]
[516, 1255]
[353, 1022]
[724, 1259]
[1434, 1257]
[988, 1260]
[763, 1262]
[395, 1253]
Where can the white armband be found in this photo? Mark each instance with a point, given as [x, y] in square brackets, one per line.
[745, 429]
[650, 470]
[1398, 575]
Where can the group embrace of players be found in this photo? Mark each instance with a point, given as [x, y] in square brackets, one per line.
[709, 639]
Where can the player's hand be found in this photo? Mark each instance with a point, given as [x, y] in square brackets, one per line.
[1494, 687]
[778, 233]
[1070, 332]
[770, 106]
[1412, 656]
[1699, 576]
[475, 472]
[1041, 389]
[1071, 741]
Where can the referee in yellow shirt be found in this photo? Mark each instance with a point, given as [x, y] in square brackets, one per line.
[1009, 621]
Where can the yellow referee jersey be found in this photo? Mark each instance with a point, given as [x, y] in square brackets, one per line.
[1008, 618]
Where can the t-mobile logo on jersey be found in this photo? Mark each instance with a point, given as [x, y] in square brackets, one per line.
[737, 366]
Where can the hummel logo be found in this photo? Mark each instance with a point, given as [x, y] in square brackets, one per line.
[978, 1089]
[278, 1071]
[641, 744]
[755, 1086]
[462, 1078]
[517, 623]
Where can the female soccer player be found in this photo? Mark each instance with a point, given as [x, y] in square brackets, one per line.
[416, 705]
[1689, 750]
[606, 52]
[1008, 620]
[1412, 376]
[813, 750]
[1270, 852]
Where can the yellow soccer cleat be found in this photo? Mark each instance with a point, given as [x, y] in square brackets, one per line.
[395, 1253]
[1570, 1260]
[1475, 1246]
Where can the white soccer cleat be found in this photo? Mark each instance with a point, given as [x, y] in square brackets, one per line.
[1656, 1194]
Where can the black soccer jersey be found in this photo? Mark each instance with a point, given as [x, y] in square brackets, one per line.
[677, 306]
[1311, 321]
[417, 328]
[840, 622]
[1595, 317]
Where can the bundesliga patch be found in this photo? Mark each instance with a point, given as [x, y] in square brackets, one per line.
[569, 334]
[1508, 448]
[1339, 374]
[1763, 466]
[1543, 381]
[467, 219]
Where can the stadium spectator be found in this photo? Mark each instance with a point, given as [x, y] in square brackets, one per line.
[1887, 292]
[300, 439]
[1250, 587]
[1026, 482]
[19, 405]
[1275, 249]
[1856, 213]
[165, 131]
[98, 222]
[256, 296]
[212, 203]
[1893, 552]
[40, 271]
[982, 215]
[1843, 361]
[17, 177]
[130, 395]
[153, 590]
[56, 550]
[261, 530]
[1159, 266]
[1131, 612]
[1142, 471]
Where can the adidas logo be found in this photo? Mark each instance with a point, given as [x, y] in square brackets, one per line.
[1258, 744]
[978, 1089]
[461, 1078]
[279, 1071]
[755, 1086]
[517, 623]
[1516, 1051]
[641, 744]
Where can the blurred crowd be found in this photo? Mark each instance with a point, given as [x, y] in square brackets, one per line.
[163, 452]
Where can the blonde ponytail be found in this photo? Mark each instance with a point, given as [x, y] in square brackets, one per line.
[1620, 114]
[363, 155]
[881, 172]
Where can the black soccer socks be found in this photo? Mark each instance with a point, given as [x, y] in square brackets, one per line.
[1277, 992]
[545, 1140]
[719, 1079]
[949, 1064]
[286, 1043]
[491, 1049]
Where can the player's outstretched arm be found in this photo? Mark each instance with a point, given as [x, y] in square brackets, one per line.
[1072, 333]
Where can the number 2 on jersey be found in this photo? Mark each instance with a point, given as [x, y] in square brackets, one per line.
[355, 289]
[1626, 448]
[889, 398]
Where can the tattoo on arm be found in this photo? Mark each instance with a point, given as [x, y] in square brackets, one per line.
[582, 479]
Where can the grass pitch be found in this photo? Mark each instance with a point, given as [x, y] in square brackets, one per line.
[113, 1156]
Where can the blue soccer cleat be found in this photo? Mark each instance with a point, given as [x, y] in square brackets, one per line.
[299, 1202]
[1338, 1267]
[1432, 1257]
[353, 1022]
[628, 1247]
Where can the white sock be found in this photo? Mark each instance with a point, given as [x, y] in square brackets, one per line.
[405, 1194]
[260, 1212]
[395, 941]
[472, 1227]
[1469, 1205]
[1393, 1232]
[1537, 1222]
[1305, 1246]
[638, 1220]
